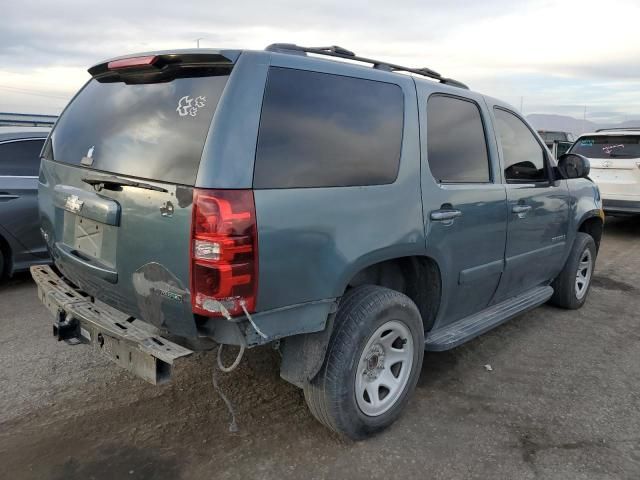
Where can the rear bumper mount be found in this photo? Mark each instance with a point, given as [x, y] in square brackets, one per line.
[78, 319]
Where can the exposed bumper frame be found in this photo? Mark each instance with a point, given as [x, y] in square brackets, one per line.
[78, 319]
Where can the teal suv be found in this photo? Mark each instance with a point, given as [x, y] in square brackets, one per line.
[350, 212]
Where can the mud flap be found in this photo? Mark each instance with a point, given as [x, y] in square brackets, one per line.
[77, 319]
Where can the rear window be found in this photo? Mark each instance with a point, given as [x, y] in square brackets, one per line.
[550, 137]
[608, 146]
[456, 145]
[323, 130]
[20, 158]
[152, 130]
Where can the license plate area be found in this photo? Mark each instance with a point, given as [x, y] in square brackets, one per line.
[91, 239]
[88, 236]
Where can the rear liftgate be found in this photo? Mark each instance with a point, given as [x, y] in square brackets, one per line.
[78, 320]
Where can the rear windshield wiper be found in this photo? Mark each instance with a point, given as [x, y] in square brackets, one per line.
[119, 182]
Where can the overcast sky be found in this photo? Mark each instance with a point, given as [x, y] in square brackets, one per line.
[558, 56]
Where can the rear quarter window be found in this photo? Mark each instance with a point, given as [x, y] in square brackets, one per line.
[457, 148]
[323, 130]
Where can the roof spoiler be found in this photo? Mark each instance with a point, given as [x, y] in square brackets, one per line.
[339, 52]
[143, 68]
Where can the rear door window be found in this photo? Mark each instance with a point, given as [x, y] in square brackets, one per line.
[457, 148]
[608, 146]
[323, 130]
[152, 130]
[524, 158]
[20, 158]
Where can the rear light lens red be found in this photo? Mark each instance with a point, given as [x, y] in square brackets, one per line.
[132, 62]
[224, 252]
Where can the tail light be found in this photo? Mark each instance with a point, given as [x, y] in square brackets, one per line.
[147, 61]
[224, 252]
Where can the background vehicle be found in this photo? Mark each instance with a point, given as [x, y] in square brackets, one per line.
[21, 243]
[558, 142]
[614, 155]
[251, 197]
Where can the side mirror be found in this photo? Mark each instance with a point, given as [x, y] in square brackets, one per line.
[572, 165]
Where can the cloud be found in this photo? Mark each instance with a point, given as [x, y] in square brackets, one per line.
[552, 53]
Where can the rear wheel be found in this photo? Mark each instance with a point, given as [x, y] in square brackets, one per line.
[571, 287]
[372, 363]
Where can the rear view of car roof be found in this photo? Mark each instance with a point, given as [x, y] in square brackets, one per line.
[14, 133]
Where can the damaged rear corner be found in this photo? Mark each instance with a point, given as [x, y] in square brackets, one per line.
[130, 343]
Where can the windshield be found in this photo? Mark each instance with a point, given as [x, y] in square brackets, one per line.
[607, 146]
[153, 130]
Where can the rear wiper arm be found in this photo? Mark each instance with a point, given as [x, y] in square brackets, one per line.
[120, 182]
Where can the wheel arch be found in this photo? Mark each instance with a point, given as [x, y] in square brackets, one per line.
[417, 276]
[5, 249]
[592, 224]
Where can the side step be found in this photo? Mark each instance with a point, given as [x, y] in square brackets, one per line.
[467, 328]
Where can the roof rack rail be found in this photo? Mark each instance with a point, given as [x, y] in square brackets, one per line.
[336, 51]
[617, 128]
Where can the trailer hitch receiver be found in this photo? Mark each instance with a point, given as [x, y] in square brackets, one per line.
[66, 327]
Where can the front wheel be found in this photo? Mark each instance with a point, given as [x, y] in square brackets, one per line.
[372, 364]
[571, 286]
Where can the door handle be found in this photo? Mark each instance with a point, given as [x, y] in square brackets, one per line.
[445, 214]
[521, 208]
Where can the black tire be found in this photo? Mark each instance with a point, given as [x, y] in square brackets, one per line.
[331, 395]
[564, 286]
[3, 264]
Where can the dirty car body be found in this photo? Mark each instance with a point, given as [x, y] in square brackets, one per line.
[198, 192]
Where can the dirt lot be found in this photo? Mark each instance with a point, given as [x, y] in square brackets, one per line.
[562, 401]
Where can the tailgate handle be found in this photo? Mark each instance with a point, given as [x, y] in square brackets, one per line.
[87, 204]
[97, 268]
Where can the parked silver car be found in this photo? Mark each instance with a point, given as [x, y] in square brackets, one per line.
[21, 243]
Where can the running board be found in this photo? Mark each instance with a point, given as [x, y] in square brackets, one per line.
[467, 328]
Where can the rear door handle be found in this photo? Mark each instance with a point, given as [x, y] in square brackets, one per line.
[5, 197]
[445, 214]
[521, 210]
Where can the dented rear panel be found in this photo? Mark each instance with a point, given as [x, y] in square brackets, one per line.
[127, 247]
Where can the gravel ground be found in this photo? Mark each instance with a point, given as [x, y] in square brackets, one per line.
[562, 402]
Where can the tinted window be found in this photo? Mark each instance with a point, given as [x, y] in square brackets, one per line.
[153, 130]
[320, 130]
[608, 146]
[550, 137]
[457, 149]
[20, 158]
[523, 155]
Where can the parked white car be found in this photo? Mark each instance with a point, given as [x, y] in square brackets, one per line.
[615, 166]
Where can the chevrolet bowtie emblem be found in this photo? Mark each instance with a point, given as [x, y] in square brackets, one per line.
[73, 204]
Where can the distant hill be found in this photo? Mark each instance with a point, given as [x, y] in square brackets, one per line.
[564, 123]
